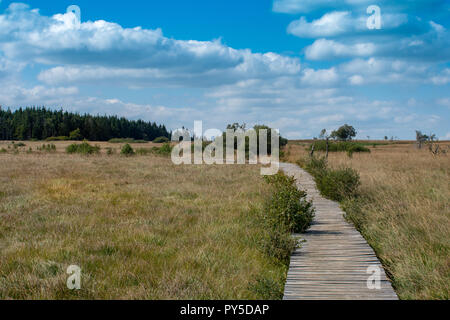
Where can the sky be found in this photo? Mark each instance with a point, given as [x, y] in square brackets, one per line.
[297, 65]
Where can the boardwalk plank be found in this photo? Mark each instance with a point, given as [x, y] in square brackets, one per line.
[332, 263]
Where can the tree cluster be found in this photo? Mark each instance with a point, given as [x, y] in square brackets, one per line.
[41, 123]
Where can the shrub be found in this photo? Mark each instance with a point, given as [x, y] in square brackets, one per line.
[337, 184]
[342, 146]
[165, 150]
[20, 145]
[84, 148]
[127, 150]
[285, 211]
[356, 148]
[75, 135]
[3, 150]
[110, 151]
[161, 140]
[267, 288]
[288, 205]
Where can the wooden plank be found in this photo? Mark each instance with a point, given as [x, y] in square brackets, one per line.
[332, 263]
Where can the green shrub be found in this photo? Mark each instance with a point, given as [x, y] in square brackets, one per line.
[165, 150]
[20, 145]
[3, 150]
[285, 211]
[75, 135]
[84, 148]
[337, 184]
[110, 151]
[161, 140]
[288, 205]
[127, 150]
[357, 148]
[341, 146]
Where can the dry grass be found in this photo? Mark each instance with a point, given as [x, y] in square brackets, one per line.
[140, 228]
[404, 212]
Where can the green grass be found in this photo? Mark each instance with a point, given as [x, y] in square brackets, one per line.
[139, 228]
[126, 140]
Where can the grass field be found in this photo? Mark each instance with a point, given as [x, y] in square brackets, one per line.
[403, 210]
[139, 228]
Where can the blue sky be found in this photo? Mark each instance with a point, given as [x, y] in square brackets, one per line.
[297, 65]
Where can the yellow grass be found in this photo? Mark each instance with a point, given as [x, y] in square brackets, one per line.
[404, 212]
[139, 228]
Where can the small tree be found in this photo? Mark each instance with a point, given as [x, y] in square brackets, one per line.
[344, 133]
[75, 135]
[324, 135]
[420, 138]
[127, 150]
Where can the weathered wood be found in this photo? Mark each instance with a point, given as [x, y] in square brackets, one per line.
[332, 264]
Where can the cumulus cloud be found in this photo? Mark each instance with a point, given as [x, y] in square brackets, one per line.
[382, 70]
[344, 23]
[100, 50]
[323, 49]
[307, 6]
[254, 65]
[323, 77]
[442, 78]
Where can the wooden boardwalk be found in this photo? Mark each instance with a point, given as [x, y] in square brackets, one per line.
[332, 264]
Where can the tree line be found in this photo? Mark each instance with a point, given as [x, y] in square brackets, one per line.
[41, 123]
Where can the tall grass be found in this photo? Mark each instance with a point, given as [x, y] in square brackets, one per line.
[139, 228]
[403, 210]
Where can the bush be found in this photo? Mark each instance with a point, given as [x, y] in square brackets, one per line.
[75, 135]
[288, 205]
[127, 150]
[161, 140]
[3, 150]
[285, 211]
[337, 184]
[165, 150]
[356, 148]
[20, 145]
[84, 148]
[343, 146]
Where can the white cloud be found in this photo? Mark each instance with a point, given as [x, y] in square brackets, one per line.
[101, 50]
[323, 49]
[444, 102]
[306, 6]
[331, 24]
[323, 77]
[443, 78]
[342, 23]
